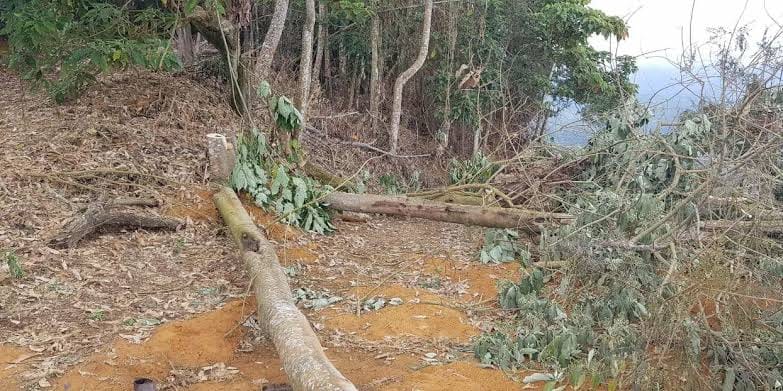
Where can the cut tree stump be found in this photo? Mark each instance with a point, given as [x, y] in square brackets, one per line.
[112, 214]
[491, 217]
[300, 351]
[220, 154]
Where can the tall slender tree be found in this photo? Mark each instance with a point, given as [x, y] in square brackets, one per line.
[399, 84]
[375, 67]
[269, 47]
[306, 63]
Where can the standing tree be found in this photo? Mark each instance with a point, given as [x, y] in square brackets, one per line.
[319, 50]
[306, 63]
[399, 84]
[269, 47]
[375, 67]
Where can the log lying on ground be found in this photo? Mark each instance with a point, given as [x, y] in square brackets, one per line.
[327, 178]
[492, 217]
[111, 214]
[303, 359]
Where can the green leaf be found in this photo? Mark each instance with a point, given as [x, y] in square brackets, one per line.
[281, 180]
[301, 192]
[190, 5]
[264, 89]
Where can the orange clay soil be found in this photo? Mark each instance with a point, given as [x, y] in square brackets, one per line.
[462, 376]
[415, 317]
[201, 341]
[197, 205]
[481, 279]
[12, 361]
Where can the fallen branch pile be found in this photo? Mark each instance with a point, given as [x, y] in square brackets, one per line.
[112, 214]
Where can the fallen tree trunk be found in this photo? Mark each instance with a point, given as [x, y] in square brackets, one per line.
[327, 178]
[303, 359]
[114, 213]
[492, 217]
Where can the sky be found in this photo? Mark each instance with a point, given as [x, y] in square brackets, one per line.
[659, 27]
[658, 31]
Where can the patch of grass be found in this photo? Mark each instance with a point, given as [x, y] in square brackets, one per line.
[98, 315]
[14, 266]
[179, 246]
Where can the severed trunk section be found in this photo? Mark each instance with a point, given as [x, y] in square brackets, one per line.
[220, 154]
[300, 351]
[526, 220]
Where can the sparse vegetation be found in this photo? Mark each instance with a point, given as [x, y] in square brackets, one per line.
[14, 265]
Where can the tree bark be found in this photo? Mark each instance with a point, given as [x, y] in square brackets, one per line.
[319, 50]
[272, 38]
[342, 60]
[225, 36]
[327, 63]
[375, 68]
[185, 44]
[399, 84]
[220, 154]
[492, 217]
[306, 63]
[322, 175]
[443, 139]
[300, 351]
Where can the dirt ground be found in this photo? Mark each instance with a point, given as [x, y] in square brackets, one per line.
[173, 306]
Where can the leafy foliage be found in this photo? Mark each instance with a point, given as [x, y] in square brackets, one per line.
[13, 264]
[477, 169]
[633, 179]
[274, 186]
[309, 298]
[501, 245]
[390, 184]
[63, 45]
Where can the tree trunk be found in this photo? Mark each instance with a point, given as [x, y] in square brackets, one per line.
[477, 131]
[303, 359]
[342, 61]
[327, 63]
[319, 51]
[526, 220]
[272, 38]
[375, 68]
[185, 44]
[443, 139]
[399, 84]
[225, 36]
[306, 63]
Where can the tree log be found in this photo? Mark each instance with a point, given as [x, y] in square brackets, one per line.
[303, 359]
[322, 175]
[492, 217]
[111, 214]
